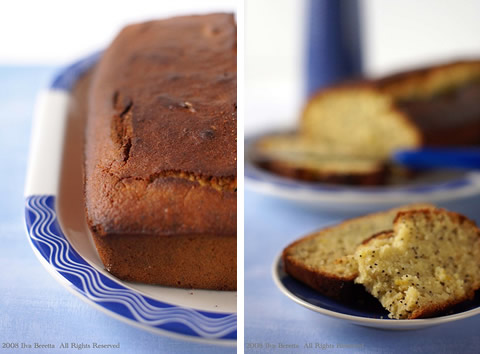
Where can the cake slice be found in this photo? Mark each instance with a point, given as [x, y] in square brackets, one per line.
[325, 260]
[292, 156]
[361, 117]
[429, 262]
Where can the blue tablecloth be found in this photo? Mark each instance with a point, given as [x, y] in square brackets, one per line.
[272, 319]
[34, 308]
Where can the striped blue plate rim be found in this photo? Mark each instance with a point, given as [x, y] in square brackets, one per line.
[47, 238]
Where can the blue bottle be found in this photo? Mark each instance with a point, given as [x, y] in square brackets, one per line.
[334, 51]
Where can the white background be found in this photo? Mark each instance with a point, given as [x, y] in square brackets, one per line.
[396, 35]
[57, 32]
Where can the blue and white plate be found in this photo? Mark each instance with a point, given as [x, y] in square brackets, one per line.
[433, 187]
[56, 227]
[364, 311]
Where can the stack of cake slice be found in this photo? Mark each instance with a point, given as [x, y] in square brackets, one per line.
[351, 130]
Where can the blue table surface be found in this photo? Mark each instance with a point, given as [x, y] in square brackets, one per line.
[272, 319]
[34, 307]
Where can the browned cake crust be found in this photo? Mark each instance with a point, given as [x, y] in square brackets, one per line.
[333, 285]
[160, 169]
[377, 176]
[426, 82]
[441, 100]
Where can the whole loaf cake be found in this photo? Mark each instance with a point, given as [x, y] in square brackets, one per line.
[160, 157]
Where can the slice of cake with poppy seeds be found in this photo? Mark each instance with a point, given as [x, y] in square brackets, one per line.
[428, 263]
[325, 260]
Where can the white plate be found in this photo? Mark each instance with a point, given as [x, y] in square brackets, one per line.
[358, 313]
[434, 187]
[58, 233]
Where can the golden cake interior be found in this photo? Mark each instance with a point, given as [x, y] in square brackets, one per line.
[430, 261]
[331, 251]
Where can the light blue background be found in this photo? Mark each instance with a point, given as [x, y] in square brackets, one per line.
[33, 306]
[270, 317]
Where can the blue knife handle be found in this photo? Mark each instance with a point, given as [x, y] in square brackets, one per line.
[458, 158]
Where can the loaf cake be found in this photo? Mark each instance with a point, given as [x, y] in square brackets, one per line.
[325, 260]
[429, 262]
[439, 105]
[160, 157]
[292, 156]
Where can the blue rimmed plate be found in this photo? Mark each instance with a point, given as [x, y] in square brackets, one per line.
[435, 187]
[57, 231]
[363, 311]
